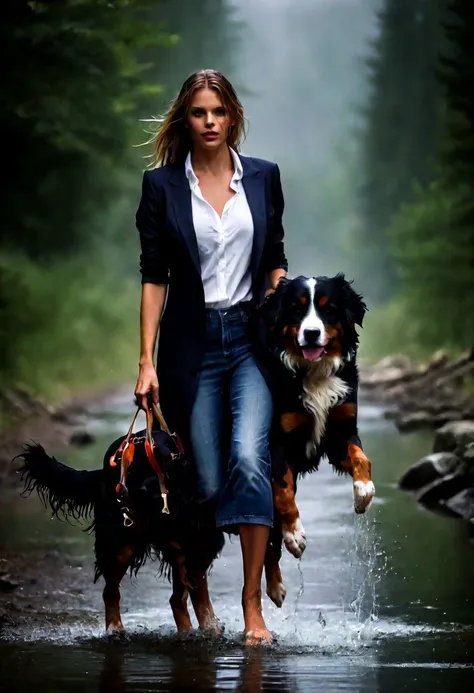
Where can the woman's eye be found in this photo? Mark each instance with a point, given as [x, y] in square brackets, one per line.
[220, 112]
[197, 112]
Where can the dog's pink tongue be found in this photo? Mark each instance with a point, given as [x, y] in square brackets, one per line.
[312, 353]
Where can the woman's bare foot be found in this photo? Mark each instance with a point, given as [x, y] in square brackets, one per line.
[256, 632]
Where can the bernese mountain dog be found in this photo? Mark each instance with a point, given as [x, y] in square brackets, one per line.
[311, 327]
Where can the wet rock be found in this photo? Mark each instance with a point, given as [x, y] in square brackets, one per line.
[462, 504]
[443, 482]
[467, 454]
[446, 416]
[414, 421]
[438, 359]
[428, 470]
[64, 417]
[384, 378]
[454, 434]
[439, 387]
[20, 401]
[397, 361]
[7, 584]
[81, 438]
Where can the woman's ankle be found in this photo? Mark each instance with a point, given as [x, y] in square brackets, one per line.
[251, 593]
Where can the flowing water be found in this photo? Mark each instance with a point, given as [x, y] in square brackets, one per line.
[382, 602]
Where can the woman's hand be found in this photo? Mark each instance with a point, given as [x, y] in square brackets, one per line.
[275, 277]
[147, 382]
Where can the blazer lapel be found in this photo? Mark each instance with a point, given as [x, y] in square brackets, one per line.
[182, 206]
[254, 186]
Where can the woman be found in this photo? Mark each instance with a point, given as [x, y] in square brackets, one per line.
[210, 224]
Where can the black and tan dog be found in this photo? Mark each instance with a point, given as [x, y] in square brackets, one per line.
[313, 339]
[132, 527]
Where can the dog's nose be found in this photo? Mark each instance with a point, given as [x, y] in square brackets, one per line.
[312, 336]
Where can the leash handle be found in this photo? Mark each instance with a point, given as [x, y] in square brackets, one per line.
[164, 427]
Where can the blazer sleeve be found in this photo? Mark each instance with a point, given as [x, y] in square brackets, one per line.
[275, 250]
[154, 265]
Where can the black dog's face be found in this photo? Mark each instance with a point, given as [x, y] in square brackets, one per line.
[314, 318]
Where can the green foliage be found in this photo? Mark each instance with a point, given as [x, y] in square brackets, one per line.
[457, 76]
[388, 330]
[70, 325]
[435, 266]
[70, 98]
[401, 127]
[424, 237]
[207, 36]
[81, 75]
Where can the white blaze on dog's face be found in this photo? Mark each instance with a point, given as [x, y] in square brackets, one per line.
[313, 319]
[312, 337]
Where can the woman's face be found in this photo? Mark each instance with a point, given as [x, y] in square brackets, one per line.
[208, 120]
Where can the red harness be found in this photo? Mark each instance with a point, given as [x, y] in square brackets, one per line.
[124, 454]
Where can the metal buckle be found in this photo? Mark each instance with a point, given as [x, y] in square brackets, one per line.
[178, 454]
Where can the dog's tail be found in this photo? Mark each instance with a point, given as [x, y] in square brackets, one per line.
[71, 494]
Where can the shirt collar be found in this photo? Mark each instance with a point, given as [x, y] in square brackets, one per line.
[193, 180]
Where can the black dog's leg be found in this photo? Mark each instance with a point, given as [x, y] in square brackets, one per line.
[116, 549]
[202, 605]
[207, 543]
[179, 597]
[113, 573]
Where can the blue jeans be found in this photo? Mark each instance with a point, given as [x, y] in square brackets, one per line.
[230, 424]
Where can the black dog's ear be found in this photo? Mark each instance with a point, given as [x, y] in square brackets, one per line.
[354, 305]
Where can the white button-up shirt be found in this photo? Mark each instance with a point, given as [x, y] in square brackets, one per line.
[224, 243]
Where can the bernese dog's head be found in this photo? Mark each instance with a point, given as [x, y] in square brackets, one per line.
[312, 320]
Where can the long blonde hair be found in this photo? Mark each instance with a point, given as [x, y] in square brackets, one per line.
[171, 141]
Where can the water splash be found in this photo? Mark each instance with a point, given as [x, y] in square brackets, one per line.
[368, 566]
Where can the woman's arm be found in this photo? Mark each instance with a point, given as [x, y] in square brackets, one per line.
[276, 262]
[154, 267]
[151, 310]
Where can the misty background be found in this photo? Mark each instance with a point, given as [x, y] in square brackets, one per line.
[366, 105]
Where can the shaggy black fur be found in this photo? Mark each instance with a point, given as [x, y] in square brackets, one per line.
[82, 495]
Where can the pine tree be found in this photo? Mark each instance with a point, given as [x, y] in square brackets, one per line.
[433, 238]
[401, 128]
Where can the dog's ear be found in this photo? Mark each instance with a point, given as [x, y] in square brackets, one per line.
[270, 308]
[354, 305]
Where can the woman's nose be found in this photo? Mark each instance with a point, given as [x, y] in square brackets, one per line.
[209, 119]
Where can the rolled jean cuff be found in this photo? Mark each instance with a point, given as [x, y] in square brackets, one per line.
[244, 520]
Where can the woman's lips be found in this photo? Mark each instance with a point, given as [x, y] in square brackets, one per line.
[209, 135]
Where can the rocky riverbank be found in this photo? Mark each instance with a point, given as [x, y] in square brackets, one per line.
[436, 395]
[55, 427]
[443, 481]
[426, 395]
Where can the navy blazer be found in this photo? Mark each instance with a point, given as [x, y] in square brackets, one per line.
[169, 255]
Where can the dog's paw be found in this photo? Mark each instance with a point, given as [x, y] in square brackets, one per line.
[277, 593]
[363, 494]
[294, 537]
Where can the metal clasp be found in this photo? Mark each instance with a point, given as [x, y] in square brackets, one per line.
[127, 520]
[165, 504]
